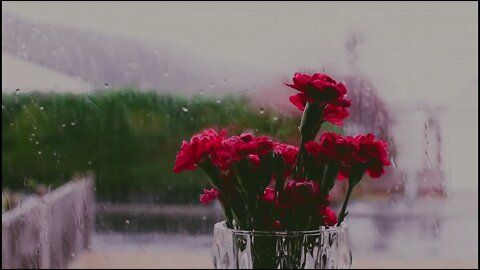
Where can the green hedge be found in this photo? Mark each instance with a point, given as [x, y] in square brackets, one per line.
[128, 138]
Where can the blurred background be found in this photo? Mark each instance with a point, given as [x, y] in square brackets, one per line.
[109, 91]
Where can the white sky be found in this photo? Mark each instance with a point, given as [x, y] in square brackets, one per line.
[269, 34]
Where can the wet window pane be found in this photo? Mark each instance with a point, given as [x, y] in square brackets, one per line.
[98, 97]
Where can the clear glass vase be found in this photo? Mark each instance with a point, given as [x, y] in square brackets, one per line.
[327, 248]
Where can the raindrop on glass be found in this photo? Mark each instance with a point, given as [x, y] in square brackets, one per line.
[127, 221]
[72, 123]
[275, 118]
[41, 108]
[184, 109]
[204, 218]
[262, 111]
[36, 142]
[106, 85]
[63, 125]
[219, 101]
[11, 124]
[201, 91]
[89, 163]
[39, 152]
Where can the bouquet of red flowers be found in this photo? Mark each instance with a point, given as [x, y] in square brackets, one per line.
[265, 185]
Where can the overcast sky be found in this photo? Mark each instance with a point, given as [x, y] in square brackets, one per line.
[278, 35]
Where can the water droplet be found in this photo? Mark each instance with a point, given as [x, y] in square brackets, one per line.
[212, 85]
[262, 111]
[41, 108]
[63, 125]
[17, 90]
[106, 85]
[39, 152]
[73, 254]
[168, 115]
[89, 162]
[3, 107]
[219, 101]
[72, 123]
[11, 124]
[30, 139]
[204, 218]
[184, 109]
[201, 91]
[36, 142]
[127, 221]
[54, 153]
[33, 134]
[275, 118]
[34, 127]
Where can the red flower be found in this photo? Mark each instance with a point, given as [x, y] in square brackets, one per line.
[298, 100]
[194, 151]
[289, 154]
[331, 113]
[276, 225]
[237, 147]
[298, 193]
[318, 89]
[333, 147]
[254, 160]
[373, 154]
[287, 151]
[335, 114]
[268, 195]
[209, 195]
[328, 215]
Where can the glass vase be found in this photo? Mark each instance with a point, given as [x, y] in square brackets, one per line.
[327, 248]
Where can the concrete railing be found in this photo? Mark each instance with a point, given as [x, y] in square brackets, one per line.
[49, 231]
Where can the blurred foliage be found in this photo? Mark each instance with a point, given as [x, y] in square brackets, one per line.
[128, 138]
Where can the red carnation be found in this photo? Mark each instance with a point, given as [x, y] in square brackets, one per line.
[373, 154]
[335, 114]
[328, 215]
[209, 195]
[238, 147]
[333, 147]
[287, 151]
[318, 89]
[331, 113]
[194, 151]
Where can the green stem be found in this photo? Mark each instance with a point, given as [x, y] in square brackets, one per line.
[342, 214]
